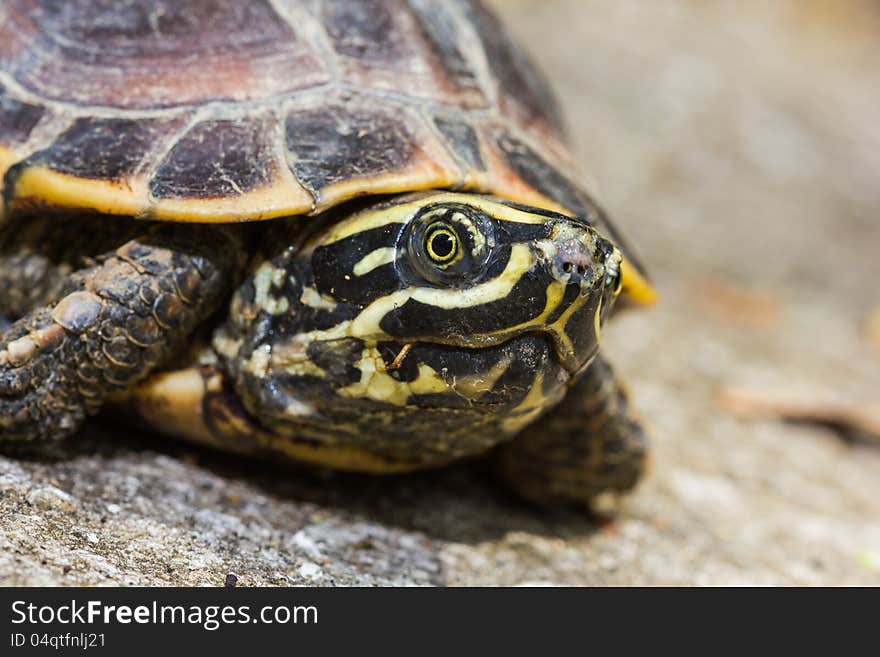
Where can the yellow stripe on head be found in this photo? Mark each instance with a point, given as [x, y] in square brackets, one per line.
[403, 211]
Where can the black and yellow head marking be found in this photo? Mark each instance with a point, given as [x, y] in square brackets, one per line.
[455, 307]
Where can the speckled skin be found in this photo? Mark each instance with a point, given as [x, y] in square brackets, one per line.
[481, 360]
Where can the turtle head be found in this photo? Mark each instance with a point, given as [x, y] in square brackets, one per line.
[433, 315]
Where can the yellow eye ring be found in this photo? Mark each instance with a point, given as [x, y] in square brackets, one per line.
[442, 245]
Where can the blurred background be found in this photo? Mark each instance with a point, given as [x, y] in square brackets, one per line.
[738, 146]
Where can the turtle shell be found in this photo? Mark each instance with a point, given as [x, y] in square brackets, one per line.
[223, 111]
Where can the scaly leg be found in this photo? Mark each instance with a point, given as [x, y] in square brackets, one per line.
[113, 322]
[39, 253]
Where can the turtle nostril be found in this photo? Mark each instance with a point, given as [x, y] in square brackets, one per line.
[572, 268]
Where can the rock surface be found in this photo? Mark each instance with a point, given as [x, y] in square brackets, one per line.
[738, 145]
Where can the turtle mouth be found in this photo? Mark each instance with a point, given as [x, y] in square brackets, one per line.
[572, 340]
[557, 348]
[570, 328]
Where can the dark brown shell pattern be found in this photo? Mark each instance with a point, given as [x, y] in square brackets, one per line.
[223, 110]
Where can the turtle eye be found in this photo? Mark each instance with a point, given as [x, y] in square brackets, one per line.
[442, 244]
[449, 244]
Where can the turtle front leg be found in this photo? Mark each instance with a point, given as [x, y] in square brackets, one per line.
[111, 325]
[586, 446]
[39, 253]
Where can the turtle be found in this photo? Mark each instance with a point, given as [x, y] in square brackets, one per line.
[345, 233]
